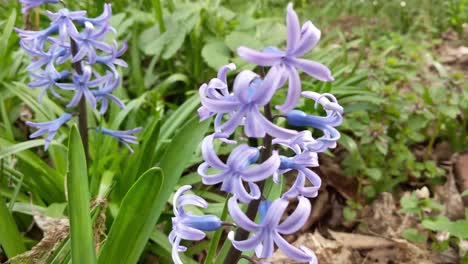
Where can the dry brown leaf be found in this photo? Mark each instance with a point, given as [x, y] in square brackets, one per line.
[358, 241]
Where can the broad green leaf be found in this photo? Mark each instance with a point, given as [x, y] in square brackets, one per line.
[237, 39]
[137, 216]
[10, 238]
[413, 235]
[216, 54]
[142, 159]
[78, 202]
[179, 153]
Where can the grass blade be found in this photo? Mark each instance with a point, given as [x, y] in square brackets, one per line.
[135, 221]
[10, 238]
[78, 202]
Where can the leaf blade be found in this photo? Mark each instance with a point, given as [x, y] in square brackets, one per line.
[82, 243]
[135, 221]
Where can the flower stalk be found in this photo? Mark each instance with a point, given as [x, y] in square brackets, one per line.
[83, 115]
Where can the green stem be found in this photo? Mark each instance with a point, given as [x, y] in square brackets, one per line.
[83, 116]
[96, 176]
[430, 146]
[217, 236]
[159, 15]
[16, 192]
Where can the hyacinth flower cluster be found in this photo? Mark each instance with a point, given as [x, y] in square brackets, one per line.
[284, 154]
[72, 61]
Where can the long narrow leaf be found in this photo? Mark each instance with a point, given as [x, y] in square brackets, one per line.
[179, 153]
[78, 198]
[136, 219]
[10, 238]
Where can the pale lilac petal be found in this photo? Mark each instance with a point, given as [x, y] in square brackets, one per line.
[242, 156]
[222, 73]
[175, 251]
[217, 106]
[293, 27]
[297, 219]
[294, 91]
[252, 127]
[312, 255]
[310, 35]
[211, 179]
[189, 233]
[245, 245]
[236, 120]
[242, 85]
[275, 212]
[291, 251]
[209, 154]
[312, 68]
[177, 195]
[258, 57]
[241, 193]
[191, 199]
[269, 86]
[273, 129]
[262, 171]
[239, 217]
[267, 246]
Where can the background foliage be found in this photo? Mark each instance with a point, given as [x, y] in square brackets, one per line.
[389, 58]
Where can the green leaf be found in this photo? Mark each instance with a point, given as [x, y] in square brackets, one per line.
[410, 203]
[237, 39]
[464, 193]
[349, 213]
[78, 202]
[216, 54]
[412, 235]
[7, 30]
[178, 154]
[23, 146]
[442, 223]
[374, 173]
[137, 217]
[10, 238]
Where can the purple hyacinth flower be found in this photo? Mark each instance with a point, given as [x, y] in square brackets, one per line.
[284, 63]
[35, 40]
[217, 89]
[268, 232]
[237, 170]
[100, 21]
[30, 4]
[125, 137]
[63, 19]
[104, 94]
[242, 105]
[325, 124]
[50, 127]
[298, 142]
[56, 54]
[113, 59]
[300, 162]
[88, 42]
[187, 226]
[81, 85]
[47, 80]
